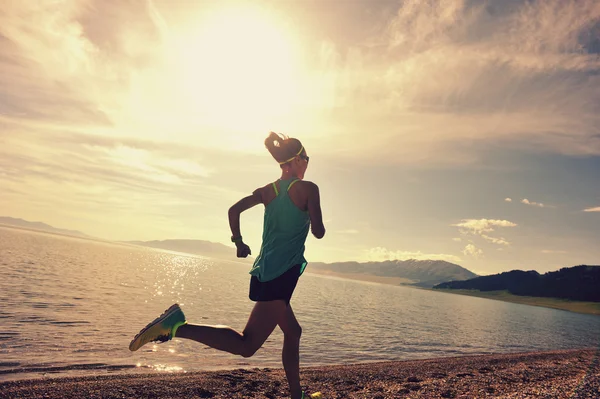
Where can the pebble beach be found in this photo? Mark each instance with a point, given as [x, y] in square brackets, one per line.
[555, 374]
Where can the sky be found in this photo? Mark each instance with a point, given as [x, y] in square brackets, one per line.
[467, 131]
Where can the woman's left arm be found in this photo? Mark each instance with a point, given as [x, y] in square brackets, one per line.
[234, 213]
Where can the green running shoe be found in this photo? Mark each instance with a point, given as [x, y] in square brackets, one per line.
[162, 329]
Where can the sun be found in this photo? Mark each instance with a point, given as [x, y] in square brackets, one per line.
[238, 70]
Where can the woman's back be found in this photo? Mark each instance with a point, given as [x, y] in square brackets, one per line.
[285, 230]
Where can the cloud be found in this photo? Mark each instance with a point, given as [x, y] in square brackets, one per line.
[480, 227]
[379, 254]
[493, 240]
[348, 231]
[86, 159]
[523, 74]
[457, 239]
[472, 250]
[508, 199]
[596, 209]
[532, 203]
[95, 108]
[51, 72]
[553, 251]
[144, 186]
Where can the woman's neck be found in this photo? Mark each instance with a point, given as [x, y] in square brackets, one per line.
[288, 174]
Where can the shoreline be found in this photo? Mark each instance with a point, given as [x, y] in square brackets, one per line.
[365, 278]
[571, 373]
[591, 308]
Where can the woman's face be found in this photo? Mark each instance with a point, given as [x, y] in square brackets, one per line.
[300, 164]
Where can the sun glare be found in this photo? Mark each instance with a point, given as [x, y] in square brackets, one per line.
[237, 70]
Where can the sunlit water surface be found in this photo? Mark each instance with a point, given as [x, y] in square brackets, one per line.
[71, 306]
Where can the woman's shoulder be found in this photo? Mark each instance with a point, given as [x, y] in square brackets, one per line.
[309, 185]
[307, 189]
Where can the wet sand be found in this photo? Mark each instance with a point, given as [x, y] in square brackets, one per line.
[556, 374]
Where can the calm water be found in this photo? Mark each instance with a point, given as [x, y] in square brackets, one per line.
[70, 307]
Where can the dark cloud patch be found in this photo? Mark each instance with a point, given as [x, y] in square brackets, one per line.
[500, 88]
[589, 37]
[10, 190]
[27, 95]
[137, 38]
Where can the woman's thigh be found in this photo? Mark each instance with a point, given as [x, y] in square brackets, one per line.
[264, 318]
[289, 324]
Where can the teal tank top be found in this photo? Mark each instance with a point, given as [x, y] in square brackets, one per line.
[285, 230]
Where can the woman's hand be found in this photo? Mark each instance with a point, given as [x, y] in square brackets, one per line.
[243, 250]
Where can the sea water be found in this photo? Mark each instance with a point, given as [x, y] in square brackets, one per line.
[70, 306]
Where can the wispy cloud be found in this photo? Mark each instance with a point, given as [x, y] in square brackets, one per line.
[106, 112]
[108, 65]
[84, 158]
[88, 177]
[494, 240]
[508, 199]
[533, 203]
[513, 67]
[553, 251]
[481, 228]
[472, 250]
[379, 254]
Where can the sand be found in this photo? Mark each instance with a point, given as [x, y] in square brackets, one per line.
[556, 374]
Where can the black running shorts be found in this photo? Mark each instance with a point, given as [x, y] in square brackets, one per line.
[280, 288]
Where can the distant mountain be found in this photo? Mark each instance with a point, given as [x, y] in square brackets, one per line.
[580, 283]
[422, 273]
[197, 247]
[39, 226]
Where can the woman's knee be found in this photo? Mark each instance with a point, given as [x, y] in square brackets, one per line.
[249, 347]
[249, 350]
[295, 332]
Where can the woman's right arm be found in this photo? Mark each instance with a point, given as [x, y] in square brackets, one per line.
[314, 210]
[234, 212]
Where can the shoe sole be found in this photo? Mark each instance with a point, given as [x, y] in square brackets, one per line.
[160, 318]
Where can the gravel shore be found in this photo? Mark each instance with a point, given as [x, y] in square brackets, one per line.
[556, 374]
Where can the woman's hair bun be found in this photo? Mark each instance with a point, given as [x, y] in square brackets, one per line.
[281, 146]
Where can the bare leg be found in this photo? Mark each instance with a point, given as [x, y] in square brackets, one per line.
[290, 356]
[261, 323]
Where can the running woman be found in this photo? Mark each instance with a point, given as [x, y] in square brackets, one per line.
[292, 205]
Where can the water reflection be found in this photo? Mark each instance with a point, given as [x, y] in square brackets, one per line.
[82, 301]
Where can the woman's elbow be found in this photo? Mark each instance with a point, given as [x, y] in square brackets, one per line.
[319, 233]
[233, 211]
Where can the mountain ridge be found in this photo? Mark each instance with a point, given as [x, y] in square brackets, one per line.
[422, 273]
[39, 226]
[578, 283]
